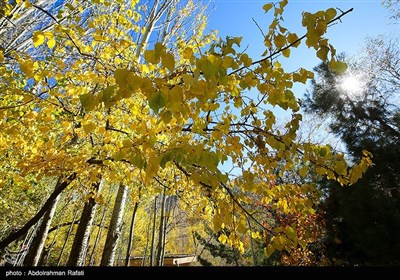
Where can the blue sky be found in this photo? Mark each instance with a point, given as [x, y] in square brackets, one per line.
[234, 18]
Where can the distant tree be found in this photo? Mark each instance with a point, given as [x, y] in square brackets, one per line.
[211, 244]
[393, 7]
[363, 220]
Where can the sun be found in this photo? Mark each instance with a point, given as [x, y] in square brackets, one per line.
[352, 85]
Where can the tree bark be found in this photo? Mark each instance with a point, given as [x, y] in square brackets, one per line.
[36, 248]
[158, 261]
[147, 242]
[99, 232]
[153, 232]
[18, 233]
[129, 249]
[68, 235]
[77, 255]
[114, 230]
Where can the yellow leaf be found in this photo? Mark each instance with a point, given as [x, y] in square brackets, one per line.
[338, 66]
[49, 35]
[89, 127]
[286, 53]
[121, 77]
[247, 61]
[256, 235]
[303, 171]
[27, 68]
[188, 53]
[322, 53]
[292, 38]
[330, 14]
[27, 4]
[51, 43]
[267, 7]
[223, 238]
[150, 56]
[38, 38]
[320, 29]
[279, 41]
[1, 56]
[283, 3]
[290, 233]
[168, 61]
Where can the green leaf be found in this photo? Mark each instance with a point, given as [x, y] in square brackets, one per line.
[157, 102]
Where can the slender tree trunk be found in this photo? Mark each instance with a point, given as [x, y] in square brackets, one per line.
[14, 235]
[36, 248]
[147, 241]
[77, 255]
[151, 21]
[130, 241]
[114, 230]
[160, 231]
[167, 217]
[46, 255]
[68, 235]
[153, 232]
[98, 236]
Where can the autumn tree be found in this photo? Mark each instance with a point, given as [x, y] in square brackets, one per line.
[99, 107]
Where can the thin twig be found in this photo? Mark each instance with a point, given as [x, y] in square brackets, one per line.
[288, 46]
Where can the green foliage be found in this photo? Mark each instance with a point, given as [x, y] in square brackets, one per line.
[363, 221]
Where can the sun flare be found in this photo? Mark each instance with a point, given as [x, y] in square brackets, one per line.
[352, 85]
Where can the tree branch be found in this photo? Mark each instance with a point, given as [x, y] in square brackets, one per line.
[288, 46]
[14, 235]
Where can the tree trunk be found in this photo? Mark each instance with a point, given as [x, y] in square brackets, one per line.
[68, 235]
[114, 230]
[160, 232]
[47, 253]
[151, 21]
[147, 242]
[14, 235]
[36, 248]
[130, 241]
[77, 255]
[98, 236]
[153, 232]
